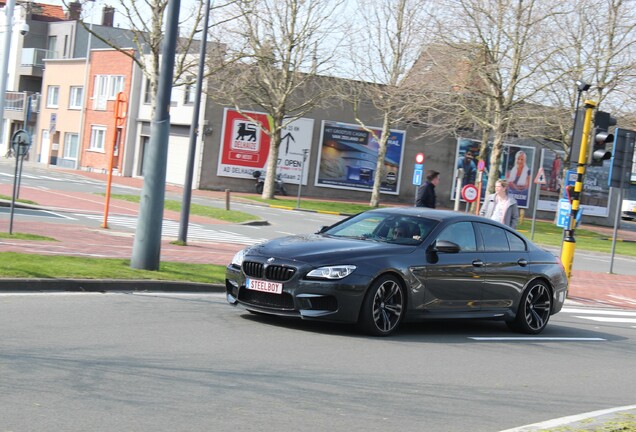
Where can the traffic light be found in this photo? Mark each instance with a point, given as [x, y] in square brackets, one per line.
[601, 137]
[577, 136]
[622, 158]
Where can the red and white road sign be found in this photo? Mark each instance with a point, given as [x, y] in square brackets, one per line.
[469, 192]
[540, 178]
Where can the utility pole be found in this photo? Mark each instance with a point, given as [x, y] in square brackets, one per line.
[147, 244]
[4, 68]
[187, 186]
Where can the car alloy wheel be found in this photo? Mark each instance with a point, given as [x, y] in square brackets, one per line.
[383, 307]
[534, 310]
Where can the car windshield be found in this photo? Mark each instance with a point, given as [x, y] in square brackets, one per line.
[385, 227]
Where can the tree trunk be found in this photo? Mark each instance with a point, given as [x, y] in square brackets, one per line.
[379, 166]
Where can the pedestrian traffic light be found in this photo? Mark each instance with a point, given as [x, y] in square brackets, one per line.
[601, 137]
[622, 158]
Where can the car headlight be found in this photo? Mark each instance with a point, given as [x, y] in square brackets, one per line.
[332, 272]
[238, 258]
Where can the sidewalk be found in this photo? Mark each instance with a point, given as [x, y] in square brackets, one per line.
[586, 287]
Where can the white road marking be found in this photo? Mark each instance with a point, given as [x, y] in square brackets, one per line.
[586, 311]
[550, 424]
[536, 338]
[609, 320]
[171, 229]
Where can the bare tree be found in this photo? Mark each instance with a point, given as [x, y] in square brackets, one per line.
[597, 44]
[144, 22]
[384, 47]
[281, 44]
[500, 46]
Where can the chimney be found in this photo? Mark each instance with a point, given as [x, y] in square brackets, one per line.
[108, 16]
[74, 11]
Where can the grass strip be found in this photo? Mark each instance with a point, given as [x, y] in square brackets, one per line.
[19, 265]
[230, 216]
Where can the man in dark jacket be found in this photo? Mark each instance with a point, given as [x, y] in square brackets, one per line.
[426, 193]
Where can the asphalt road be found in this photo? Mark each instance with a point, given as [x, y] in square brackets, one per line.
[120, 361]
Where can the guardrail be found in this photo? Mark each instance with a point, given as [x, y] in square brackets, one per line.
[22, 101]
[35, 56]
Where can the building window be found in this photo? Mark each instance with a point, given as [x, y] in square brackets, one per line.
[115, 85]
[189, 94]
[71, 142]
[147, 94]
[77, 94]
[98, 138]
[53, 95]
[174, 97]
[51, 46]
[100, 92]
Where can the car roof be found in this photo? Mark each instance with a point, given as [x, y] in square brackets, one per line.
[427, 213]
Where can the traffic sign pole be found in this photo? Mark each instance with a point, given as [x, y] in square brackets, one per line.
[418, 174]
[20, 142]
[481, 166]
[538, 181]
[121, 108]
[569, 241]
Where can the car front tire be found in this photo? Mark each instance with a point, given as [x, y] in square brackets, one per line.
[383, 307]
[534, 309]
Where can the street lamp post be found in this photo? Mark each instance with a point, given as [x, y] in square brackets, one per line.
[4, 69]
[187, 186]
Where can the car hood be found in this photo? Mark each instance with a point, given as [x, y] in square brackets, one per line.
[317, 249]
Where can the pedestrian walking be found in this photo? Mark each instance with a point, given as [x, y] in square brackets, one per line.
[500, 206]
[426, 193]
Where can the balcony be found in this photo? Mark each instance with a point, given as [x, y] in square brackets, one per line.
[32, 61]
[22, 106]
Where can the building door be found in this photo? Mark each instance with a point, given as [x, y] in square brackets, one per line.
[45, 147]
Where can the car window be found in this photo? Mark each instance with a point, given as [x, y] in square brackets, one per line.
[516, 243]
[462, 234]
[361, 227]
[495, 238]
[389, 227]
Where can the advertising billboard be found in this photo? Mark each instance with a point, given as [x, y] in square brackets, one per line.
[348, 158]
[516, 167]
[595, 196]
[245, 146]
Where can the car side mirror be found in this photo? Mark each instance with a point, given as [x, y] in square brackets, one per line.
[444, 246]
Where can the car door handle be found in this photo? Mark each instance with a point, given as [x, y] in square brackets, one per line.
[522, 262]
[478, 263]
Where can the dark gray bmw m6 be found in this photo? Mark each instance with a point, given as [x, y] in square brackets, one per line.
[381, 267]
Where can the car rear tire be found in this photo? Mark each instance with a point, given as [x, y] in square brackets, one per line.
[383, 307]
[534, 310]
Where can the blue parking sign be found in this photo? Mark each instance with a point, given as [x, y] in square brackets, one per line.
[417, 177]
[565, 209]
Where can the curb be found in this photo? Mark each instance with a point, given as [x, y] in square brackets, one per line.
[309, 211]
[96, 285]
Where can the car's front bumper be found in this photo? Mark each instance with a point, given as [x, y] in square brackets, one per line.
[326, 300]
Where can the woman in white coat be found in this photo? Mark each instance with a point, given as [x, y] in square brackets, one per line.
[500, 206]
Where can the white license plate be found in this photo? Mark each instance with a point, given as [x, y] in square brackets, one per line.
[264, 286]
